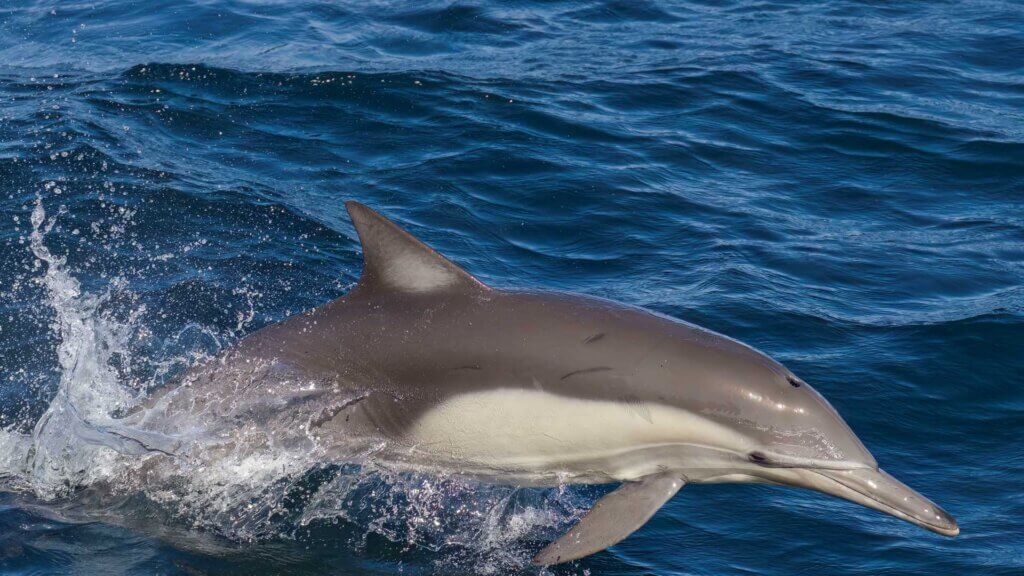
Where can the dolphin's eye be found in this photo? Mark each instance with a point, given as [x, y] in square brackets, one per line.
[793, 382]
[758, 457]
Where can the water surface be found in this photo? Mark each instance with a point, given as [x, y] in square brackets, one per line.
[840, 185]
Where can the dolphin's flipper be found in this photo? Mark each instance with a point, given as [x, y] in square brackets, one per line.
[393, 260]
[614, 517]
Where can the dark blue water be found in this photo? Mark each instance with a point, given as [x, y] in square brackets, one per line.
[840, 185]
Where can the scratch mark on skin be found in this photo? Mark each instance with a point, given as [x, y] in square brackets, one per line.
[555, 438]
[332, 411]
[468, 367]
[594, 338]
[142, 444]
[586, 371]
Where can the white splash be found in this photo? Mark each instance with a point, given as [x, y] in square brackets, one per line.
[246, 494]
[54, 459]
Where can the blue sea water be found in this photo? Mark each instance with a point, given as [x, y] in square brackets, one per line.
[840, 184]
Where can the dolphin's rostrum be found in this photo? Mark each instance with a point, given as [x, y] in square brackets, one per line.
[438, 372]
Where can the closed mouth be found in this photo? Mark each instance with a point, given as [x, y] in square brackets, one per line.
[874, 488]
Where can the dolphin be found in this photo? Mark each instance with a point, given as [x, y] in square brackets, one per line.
[426, 368]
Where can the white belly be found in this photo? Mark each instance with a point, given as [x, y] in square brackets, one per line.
[532, 431]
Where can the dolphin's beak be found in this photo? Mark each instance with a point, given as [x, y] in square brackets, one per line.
[873, 488]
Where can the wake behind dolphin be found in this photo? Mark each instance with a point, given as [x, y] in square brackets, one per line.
[424, 368]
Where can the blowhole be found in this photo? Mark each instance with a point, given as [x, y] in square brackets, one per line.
[758, 457]
[793, 382]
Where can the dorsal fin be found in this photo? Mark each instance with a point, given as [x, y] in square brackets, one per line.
[395, 261]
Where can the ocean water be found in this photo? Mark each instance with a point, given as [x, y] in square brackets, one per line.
[840, 184]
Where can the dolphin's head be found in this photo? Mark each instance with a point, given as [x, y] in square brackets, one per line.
[789, 434]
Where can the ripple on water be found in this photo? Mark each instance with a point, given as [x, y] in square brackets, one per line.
[836, 184]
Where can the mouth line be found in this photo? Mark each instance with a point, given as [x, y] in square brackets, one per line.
[892, 510]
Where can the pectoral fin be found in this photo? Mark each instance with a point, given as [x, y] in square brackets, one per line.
[613, 518]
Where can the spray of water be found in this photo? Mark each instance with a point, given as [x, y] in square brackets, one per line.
[57, 458]
[252, 491]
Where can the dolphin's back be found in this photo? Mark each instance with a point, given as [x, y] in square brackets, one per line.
[437, 371]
